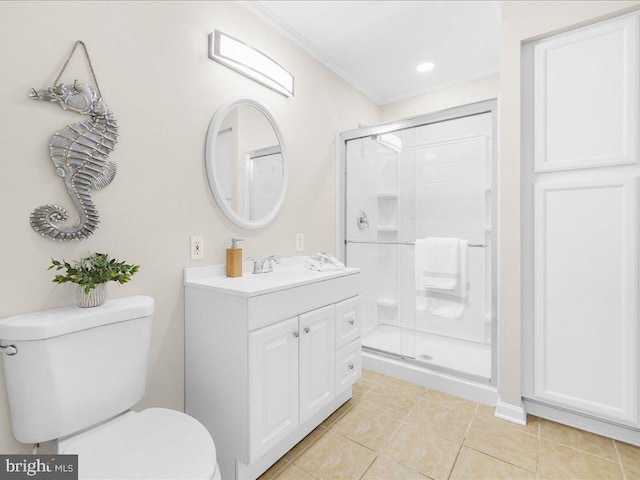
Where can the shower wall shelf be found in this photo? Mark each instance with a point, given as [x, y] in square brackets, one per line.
[387, 302]
[389, 195]
[389, 228]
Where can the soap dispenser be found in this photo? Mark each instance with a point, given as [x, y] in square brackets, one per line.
[234, 259]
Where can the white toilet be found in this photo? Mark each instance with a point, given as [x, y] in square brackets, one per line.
[72, 375]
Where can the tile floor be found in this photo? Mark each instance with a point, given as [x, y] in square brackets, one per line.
[392, 429]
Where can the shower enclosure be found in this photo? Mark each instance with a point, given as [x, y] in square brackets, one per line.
[427, 176]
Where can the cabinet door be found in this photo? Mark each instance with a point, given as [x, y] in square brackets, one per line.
[585, 293]
[348, 315]
[317, 360]
[273, 385]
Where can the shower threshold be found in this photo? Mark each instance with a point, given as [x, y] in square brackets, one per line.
[451, 354]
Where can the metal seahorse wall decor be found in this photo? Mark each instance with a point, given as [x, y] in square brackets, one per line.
[80, 154]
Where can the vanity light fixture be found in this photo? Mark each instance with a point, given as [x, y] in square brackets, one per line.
[250, 62]
[425, 67]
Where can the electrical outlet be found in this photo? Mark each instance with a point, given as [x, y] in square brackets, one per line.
[197, 248]
[299, 242]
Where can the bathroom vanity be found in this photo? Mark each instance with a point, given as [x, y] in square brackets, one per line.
[268, 357]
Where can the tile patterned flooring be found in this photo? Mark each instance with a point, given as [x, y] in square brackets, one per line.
[392, 429]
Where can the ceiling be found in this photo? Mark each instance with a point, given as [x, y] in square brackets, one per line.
[376, 45]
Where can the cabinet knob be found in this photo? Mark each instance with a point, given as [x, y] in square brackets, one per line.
[306, 329]
[352, 322]
[295, 334]
[351, 366]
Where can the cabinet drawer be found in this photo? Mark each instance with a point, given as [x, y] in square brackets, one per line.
[348, 366]
[348, 319]
[263, 310]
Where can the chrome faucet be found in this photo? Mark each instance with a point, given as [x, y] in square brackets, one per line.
[264, 266]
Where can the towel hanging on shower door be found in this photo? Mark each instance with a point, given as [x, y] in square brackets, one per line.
[445, 302]
[437, 261]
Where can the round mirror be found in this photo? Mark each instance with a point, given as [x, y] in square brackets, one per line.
[246, 166]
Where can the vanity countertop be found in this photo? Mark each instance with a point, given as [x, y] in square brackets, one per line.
[290, 272]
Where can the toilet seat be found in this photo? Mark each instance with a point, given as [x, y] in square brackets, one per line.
[156, 443]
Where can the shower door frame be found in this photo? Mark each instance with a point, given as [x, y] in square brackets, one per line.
[472, 109]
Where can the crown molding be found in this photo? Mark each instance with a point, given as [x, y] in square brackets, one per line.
[264, 14]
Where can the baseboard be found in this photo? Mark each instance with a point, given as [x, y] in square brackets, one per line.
[511, 413]
[624, 433]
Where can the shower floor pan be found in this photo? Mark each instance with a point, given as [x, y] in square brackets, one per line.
[451, 353]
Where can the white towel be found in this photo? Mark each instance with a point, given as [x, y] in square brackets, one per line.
[443, 302]
[437, 261]
[322, 262]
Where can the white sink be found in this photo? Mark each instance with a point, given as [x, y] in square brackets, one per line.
[287, 274]
[291, 272]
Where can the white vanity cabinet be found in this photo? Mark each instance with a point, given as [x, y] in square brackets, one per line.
[268, 358]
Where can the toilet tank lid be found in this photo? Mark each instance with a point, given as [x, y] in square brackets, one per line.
[60, 321]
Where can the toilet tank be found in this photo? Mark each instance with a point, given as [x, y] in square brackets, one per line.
[75, 367]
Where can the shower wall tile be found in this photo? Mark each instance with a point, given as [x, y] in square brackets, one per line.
[442, 180]
[435, 132]
[425, 174]
[449, 180]
[467, 189]
[408, 158]
[471, 151]
[407, 136]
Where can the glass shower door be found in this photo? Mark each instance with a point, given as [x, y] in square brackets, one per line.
[428, 180]
[374, 192]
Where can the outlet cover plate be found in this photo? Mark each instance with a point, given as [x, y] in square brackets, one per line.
[299, 242]
[197, 247]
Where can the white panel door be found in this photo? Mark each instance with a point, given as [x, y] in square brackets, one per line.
[585, 294]
[317, 360]
[273, 384]
[585, 96]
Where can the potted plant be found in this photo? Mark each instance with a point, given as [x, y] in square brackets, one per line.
[91, 274]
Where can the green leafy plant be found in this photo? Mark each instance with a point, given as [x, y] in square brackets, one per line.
[93, 270]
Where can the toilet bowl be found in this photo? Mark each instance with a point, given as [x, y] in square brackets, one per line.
[152, 444]
[73, 374]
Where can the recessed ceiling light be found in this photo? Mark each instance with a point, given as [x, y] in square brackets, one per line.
[425, 67]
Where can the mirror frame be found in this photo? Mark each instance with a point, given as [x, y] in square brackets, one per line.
[209, 155]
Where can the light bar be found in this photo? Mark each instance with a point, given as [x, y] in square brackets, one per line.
[250, 62]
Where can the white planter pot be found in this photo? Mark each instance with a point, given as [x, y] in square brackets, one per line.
[94, 298]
